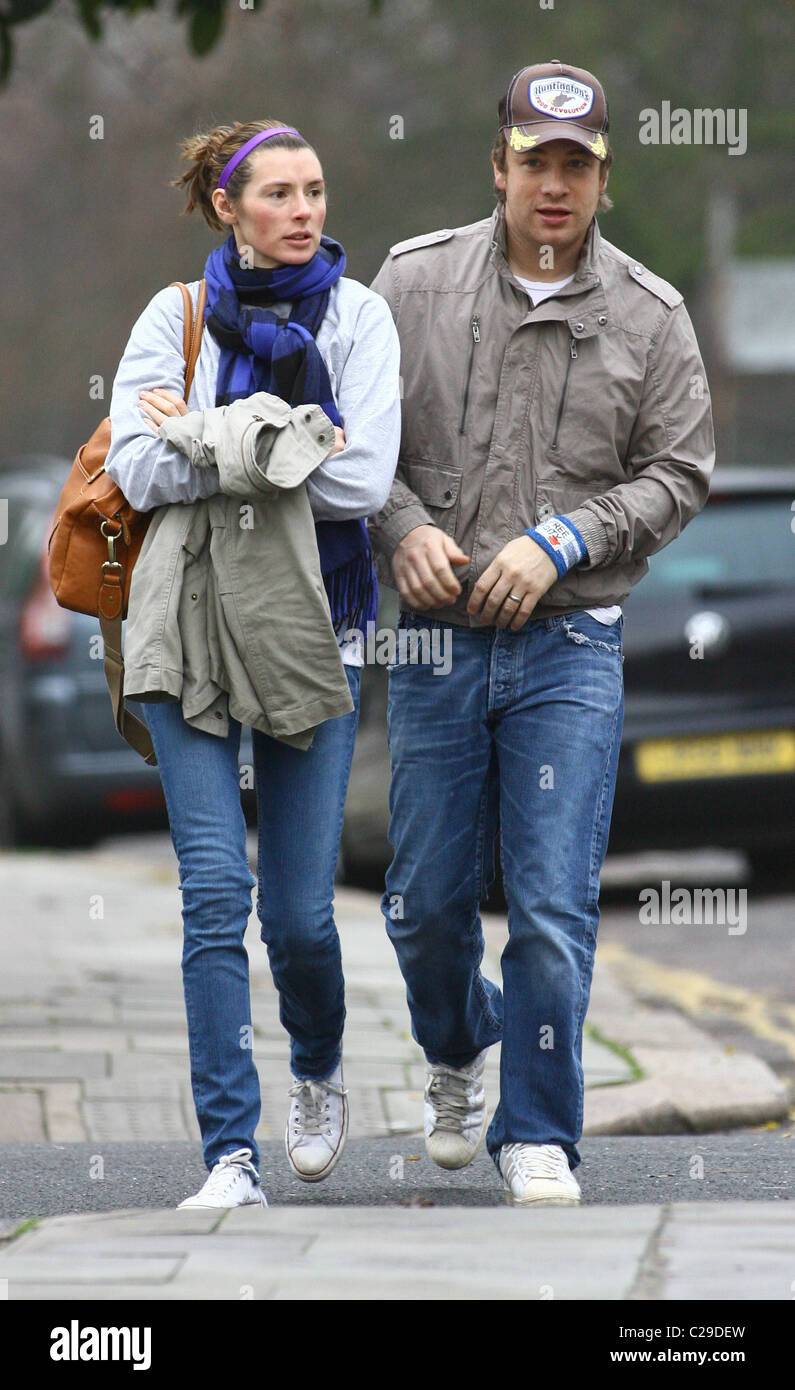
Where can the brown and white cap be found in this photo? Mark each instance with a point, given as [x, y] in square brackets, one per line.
[552, 101]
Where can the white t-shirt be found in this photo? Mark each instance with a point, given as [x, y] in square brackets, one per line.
[539, 290]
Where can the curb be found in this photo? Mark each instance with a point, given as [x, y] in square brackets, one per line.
[689, 1083]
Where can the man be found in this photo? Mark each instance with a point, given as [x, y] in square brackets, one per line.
[556, 432]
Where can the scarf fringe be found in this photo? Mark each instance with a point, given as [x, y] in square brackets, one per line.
[352, 592]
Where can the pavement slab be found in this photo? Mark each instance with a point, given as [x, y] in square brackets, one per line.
[93, 1040]
[316, 1253]
[21, 1115]
[696, 1251]
[753, 1243]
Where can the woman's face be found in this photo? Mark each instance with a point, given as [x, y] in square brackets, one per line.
[282, 209]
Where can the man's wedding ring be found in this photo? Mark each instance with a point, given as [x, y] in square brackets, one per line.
[514, 598]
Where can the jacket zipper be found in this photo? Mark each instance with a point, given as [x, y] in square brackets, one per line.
[572, 358]
[475, 329]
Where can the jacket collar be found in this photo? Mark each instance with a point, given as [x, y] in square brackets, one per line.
[585, 276]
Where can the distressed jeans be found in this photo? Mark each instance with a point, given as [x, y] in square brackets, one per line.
[300, 796]
[526, 724]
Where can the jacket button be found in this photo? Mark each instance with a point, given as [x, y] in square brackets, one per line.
[638, 269]
[448, 495]
[602, 318]
[194, 595]
[218, 714]
[578, 327]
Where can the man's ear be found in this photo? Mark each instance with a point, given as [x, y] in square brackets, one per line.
[499, 175]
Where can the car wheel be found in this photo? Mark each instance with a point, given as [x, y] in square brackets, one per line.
[9, 824]
[773, 867]
[11, 829]
[358, 873]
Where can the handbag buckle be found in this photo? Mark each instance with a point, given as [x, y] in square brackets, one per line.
[111, 537]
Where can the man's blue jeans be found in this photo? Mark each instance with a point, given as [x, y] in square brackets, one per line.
[529, 723]
[300, 798]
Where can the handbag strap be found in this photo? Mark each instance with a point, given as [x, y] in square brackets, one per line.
[192, 326]
[132, 730]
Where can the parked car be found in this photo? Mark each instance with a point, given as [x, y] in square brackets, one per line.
[66, 775]
[708, 750]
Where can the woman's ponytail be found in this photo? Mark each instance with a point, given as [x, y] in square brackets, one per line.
[207, 153]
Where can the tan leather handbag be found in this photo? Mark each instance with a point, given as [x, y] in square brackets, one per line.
[97, 537]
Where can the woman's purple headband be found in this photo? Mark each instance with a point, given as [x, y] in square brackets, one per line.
[240, 154]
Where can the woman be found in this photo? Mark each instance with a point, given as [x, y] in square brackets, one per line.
[280, 317]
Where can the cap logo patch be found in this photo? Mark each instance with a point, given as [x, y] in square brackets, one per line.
[561, 97]
[518, 141]
[598, 146]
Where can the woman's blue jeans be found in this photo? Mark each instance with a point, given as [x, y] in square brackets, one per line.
[529, 723]
[300, 798]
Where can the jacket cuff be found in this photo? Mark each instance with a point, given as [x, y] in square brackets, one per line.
[386, 534]
[594, 535]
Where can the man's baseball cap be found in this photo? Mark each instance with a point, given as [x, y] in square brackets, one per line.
[552, 101]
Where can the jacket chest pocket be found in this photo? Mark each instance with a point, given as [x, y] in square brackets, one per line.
[439, 490]
[583, 426]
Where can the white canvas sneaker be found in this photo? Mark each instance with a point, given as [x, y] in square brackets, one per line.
[455, 1112]
[233, 1182]
[318, 1123]
[538, 1173]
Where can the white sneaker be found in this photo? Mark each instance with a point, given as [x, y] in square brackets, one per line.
[538, 1173]
[455, 1112]
[318, 1123]
[233, 1182]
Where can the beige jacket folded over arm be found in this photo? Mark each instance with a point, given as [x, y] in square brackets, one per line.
[228, 611]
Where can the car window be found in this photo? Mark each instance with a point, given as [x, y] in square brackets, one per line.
[733, 546]
[20, 557]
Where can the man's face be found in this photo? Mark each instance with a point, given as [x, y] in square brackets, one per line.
[551, 193]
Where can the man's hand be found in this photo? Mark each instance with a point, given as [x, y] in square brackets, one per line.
[422, 566]
[523, 569]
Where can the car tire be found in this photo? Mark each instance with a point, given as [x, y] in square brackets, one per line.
[773, 868]
[18, 832]
[11, 826]
[9, 823]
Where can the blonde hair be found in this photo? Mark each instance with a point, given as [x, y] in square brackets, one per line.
[208, 152]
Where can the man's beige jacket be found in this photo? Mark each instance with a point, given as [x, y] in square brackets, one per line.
[228, 611]
[593, 405]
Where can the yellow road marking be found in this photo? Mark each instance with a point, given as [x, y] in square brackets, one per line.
[697, 994]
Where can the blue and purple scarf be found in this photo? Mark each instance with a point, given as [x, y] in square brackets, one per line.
[263, 351]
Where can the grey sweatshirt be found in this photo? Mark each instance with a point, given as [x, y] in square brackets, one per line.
[359, 344]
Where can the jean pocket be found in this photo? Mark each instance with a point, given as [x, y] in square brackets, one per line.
[586, 631]
[420, 641]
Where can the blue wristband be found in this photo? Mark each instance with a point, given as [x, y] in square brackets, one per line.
[561, 540]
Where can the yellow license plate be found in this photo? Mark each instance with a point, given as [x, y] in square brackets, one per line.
[722, 755]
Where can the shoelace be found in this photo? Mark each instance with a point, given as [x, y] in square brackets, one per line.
[227, 1170]
[312, 1100]
[544, 1162]
[450, 1094]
